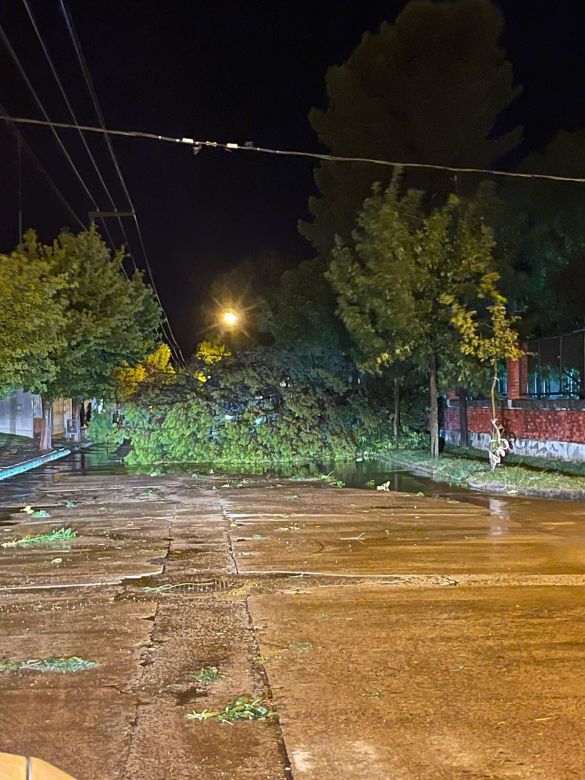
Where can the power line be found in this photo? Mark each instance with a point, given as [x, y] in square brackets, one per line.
[72, 112]
[91, 89]
[41, 107]
[231, 147]
[51, 183]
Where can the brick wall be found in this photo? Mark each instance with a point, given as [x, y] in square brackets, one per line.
[547, 429]
[541, 424]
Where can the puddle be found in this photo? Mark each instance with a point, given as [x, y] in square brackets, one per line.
[95, 461]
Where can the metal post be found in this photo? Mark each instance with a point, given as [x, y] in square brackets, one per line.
[538, 375]
[19, 184]
[561, 365]
[463, 429]
[582, 373]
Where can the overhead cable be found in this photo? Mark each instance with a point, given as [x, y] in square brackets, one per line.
[71, 111]
[48, 121]
[91, 89]
[43, 171]
[196, 145]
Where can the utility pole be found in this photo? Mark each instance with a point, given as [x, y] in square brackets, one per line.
[93, 215]
[19, 184]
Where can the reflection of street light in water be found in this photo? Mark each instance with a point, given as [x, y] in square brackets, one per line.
[499, 509]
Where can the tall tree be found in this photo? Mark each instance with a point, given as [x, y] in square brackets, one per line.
[426, 89]
[300, 312]
[399, 278]
[547, 284]
[31, 322]
[106, 320]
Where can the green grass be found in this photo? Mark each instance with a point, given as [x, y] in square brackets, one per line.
[472, 470]
[208, 674]
[59, 536]
[242, 708]
[53, 664]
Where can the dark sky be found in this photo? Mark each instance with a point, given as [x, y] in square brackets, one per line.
[234, 71]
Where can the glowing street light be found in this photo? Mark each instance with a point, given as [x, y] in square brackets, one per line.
[230, 318]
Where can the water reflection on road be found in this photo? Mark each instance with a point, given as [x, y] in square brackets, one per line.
[506, 511]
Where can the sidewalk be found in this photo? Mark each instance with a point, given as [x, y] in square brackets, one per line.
[19, 454]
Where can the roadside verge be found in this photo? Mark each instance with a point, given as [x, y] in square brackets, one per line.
[510, 479]
[32, 463]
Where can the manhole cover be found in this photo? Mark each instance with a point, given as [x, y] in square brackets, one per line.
[209, 585]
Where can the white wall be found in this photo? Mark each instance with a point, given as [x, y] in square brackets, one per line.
[17, 413]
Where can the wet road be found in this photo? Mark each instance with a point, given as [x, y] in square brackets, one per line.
[424, 633]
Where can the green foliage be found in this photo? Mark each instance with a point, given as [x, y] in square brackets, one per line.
[103, 430]
[53, 664]
[208, 674]
[263, 405]
[408, 277]
[70, 318]
[107, 320]
[58, 536]
[31, 322]
[523, 475]
[427, 88]
[301, 311]
[303, 646]
[155, 367]
[242, 708]
[413, 287]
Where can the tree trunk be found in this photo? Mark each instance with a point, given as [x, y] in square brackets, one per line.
[396, 421]
[493, 390]
[463, 417]
[46, 442]
[434, 415]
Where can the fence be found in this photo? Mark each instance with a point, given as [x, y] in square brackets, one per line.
[554, 367]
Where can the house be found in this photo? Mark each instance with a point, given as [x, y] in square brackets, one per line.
[21, 414]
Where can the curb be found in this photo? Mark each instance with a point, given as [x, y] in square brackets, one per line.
[32, 463]
[564, 494]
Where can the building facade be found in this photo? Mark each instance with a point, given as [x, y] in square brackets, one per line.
[21, 414]
[541, 408]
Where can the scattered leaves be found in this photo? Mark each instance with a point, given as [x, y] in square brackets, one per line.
[53, 664]
[61, 535]
[208, 674]
[303, 646]
[242, 708]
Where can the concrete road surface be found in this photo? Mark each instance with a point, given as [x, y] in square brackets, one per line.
[399, 637]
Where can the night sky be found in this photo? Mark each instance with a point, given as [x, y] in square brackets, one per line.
[228, 71]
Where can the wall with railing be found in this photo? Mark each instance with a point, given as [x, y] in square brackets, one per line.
[543, 407]
[554, 367]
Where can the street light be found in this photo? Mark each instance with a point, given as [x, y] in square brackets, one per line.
[230, 318]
